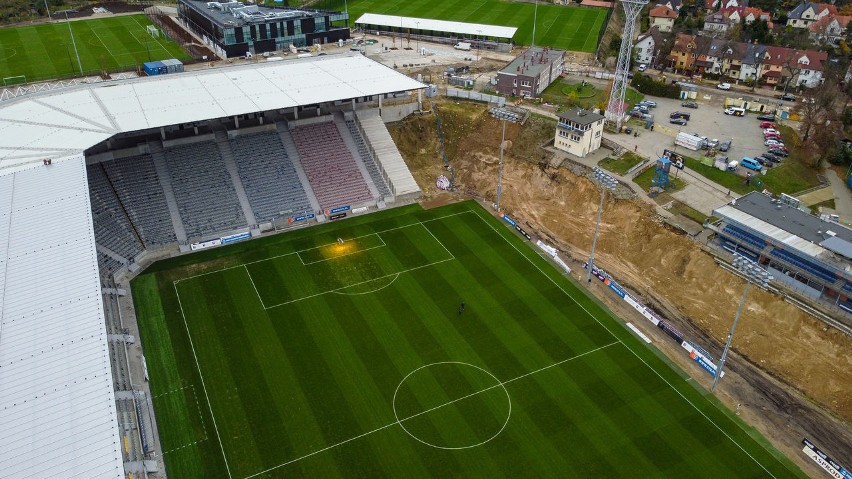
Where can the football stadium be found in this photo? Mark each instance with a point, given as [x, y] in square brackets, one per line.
[298, 312]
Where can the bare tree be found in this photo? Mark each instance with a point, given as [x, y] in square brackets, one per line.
[821, 121]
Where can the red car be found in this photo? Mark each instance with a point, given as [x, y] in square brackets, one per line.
[767, 124]
[777, 136]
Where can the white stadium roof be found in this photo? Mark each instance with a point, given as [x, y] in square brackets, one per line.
[57, 409]
[66, 122]
[57, 406]
[472, 29]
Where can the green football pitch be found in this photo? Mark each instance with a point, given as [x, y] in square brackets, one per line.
[298, 355]
[569, 28]
[46, 51]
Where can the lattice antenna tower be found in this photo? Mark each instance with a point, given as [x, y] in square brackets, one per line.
[615, 107]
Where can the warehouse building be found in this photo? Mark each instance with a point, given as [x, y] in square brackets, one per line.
[233, 29]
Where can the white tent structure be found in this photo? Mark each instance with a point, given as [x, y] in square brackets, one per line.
[57, 405]
[427, 24]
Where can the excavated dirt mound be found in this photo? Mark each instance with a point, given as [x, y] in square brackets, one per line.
[780, 338]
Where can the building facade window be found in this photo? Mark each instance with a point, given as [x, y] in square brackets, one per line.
[575, 138]
[526, 83]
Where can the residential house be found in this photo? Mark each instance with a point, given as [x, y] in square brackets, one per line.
[829, 30]
[578, 131]
[683, 53]
[715, 5]
[752, 63]
[802, 68]
[531, 72]
[673, 4]
[663, 18]
[808, 12]
[647, 47]
[722, 20]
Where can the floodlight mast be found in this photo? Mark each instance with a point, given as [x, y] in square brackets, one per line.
[615, 107]
[504, 115]
[606, 182]
[753, 273]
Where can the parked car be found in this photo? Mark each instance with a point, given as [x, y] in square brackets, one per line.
[751, 164]
[638, 114]
[642, 108]
[724, 86]
[781, 147]
[770, 130]
[735, 111]
[779, 152]
[772, 157]
[775, 136]
[787, 97]
[767, 124]
[689, 104]
[677, 121]
[725, 145]
[650, 103]
[764, 162]
[772, 142]
[712, 143]
[679, 114]
[808, 100]
[628, 130]
[766, 117]
[642, 67]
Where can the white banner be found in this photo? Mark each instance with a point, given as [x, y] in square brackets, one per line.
[547, 248]
[562, 264]
[206, 244]
[639, 333]
[822, 463]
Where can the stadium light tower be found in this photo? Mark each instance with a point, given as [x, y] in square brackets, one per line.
[606, 182]
[615, 107]
[505, 115]
[754, 274]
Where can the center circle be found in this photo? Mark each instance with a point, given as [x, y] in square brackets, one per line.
[452, 405]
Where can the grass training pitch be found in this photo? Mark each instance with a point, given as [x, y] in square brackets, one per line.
[296, 355]
[569, 28]
[46, 51]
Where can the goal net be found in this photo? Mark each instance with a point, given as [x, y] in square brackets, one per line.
[153, 31]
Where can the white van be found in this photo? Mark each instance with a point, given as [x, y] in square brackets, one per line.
[735, 111]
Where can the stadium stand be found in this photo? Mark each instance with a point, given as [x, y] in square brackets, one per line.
[268, 175]
[112, 226]
[401, 182]
[368, 159]
[206, 198]
[139, 190]
[330, 168]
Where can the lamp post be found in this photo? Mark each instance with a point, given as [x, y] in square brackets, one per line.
[478, 46]
[754, 273]
[79, 63]
[418, 35]
[504, 115]
[606, 182]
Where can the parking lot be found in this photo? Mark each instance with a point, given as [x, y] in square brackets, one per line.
[706, 120]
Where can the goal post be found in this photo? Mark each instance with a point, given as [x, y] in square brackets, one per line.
[153, 31]
[15, 80]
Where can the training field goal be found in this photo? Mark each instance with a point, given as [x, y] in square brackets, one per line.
[153, 31]
[15, 80]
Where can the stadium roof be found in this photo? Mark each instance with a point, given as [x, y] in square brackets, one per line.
[57, 408]
[472, 29]
[65, 122]
[783, 223]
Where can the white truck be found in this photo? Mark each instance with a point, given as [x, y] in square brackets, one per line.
[462, 46]
[687, 140]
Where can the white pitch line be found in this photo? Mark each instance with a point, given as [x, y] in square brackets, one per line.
[201, 376]
[254, 286]
[628, 347]
[427, 411]
[320, 246]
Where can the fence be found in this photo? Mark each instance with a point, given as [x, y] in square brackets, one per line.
[476, 96]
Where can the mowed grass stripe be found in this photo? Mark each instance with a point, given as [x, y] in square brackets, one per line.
[212, 322]
[346, 353]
